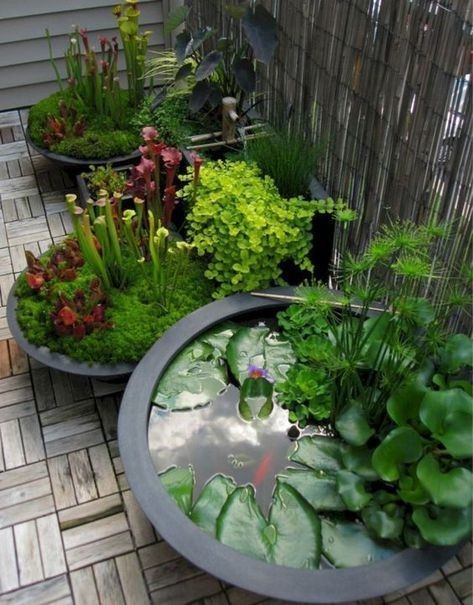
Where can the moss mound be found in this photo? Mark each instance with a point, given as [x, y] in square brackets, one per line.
[138, 321]
[101, 140]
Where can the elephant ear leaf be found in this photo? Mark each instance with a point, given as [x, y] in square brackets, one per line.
[402, 445]
[457, 353]
[443, 527]
[181, 44]
[245, 74]
[353, 425]
[260, 29]
[199, 96]
[179, 483]
[208, 65]
[453, 489]
[176, 18]
[448, 415]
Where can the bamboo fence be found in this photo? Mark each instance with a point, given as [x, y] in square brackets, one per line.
[386, 84]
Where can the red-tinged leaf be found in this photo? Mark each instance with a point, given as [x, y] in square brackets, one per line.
[34, 280]
[68, 274]
[67, 316]
[79, 331]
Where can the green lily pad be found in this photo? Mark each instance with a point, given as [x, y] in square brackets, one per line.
[402, 445]
[448, 415]
[352, 490]
[381, 523]
[256, 399]
[290, 537]
[457, 353]
[347, 544]
[358, 460]
[411, 490]
[453, 489]
[179, 483]
[210, 502]
[444, 526]
[246, 348]
[219, 337]
[404, 404]
[353, 425]
[319, 453]
[278, 357]
[318, 488]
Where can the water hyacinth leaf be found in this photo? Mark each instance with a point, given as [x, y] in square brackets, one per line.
[448, 415]
[260, 29]
[402, 445]
[200, 94]
[210, 502]
[347, 544]
[246, 348]
[453, 489]
[256, 398]
[183, 71]
[411, 490]
[352, 490]
[245, 74]
[381, 523]
[319, 453]
[412, 537]
[208, 65]
[444, 526]
[358, 460]
[298, 540]
[180, 46]
[404, 404]
[176, 18]
[219, 337]
[457, 353]
[278, 357]
[179, 483]
[241, 524]
[318, 488]
[353, 425]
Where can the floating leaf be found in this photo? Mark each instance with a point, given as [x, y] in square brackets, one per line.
[278, 357]
[353, 425]
[347, 544]
[457, 353]
[176, 18]
[411, 490]
[200, 94]
[256, 399]
[246, 348]
[210, 502]
[319, 489]
[352, 490]
[382, 523]
[444, 526]
[319, 453]
[453, 489]
[179, 483]
[402, 445]
[208, 65]
[260, 29]
[404, 404]
[358, 460]
[448, 415]
[245, 74]
[219, 337]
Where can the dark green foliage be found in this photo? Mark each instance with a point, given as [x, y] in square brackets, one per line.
[107, 178]
[170, 120]
[138, 320]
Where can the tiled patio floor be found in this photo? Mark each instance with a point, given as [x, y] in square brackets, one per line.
[70, 529]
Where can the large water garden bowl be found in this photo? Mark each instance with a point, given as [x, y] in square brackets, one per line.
[325, 585]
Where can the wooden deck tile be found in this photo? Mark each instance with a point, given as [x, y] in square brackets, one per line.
[238, 596]
[83, 586]
[90, 511]
[108, 583]
[27, 491]
[170, 573]
[5, 261]
[157, 554]
[12, 446]
[186, 592]
[103, 470]
[19, 359]
[61, 481]
[8, 570]
[443, 593]
[27, 549]
[94, 552]
[9, 118]
[95, 530]
[131, 578]
[26, 511]
[461, 582]
[52, 552]
[141, 528]
[28, 230]
[32, 438]
[43, 593]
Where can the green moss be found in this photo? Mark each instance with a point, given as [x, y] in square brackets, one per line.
[101, 139]
[137, 322]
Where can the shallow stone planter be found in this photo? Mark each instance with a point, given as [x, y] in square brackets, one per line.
[326, 585]
[76, 164]
[108, 372]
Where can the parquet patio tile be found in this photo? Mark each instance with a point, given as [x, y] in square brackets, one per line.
[71, 531]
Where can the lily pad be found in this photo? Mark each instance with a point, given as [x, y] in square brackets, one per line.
[319, 453]
[319, 489]
[179, 483]
[219, 337]
[246, 348]
[290, 537]
[404, 404]
[444, 526]
[256, 399]
[401, 446]
[453, 489]
[381, 523]
[358, 460]
[411, 490]
[448, 414]
[347, 544]
[210, 502]
[278, 357]
[353, 425]
[352, 490]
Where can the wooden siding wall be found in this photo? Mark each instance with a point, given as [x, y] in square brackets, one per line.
[26, 74]
[386, 84]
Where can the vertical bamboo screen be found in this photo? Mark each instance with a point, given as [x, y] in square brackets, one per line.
[385, 84]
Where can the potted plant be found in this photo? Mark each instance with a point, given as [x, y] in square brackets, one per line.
[378, 482]
[91, 120]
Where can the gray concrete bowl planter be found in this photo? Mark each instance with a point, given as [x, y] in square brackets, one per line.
[327, 585]
[102, 371]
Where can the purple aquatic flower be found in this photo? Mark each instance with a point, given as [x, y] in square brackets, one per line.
[256, 372]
